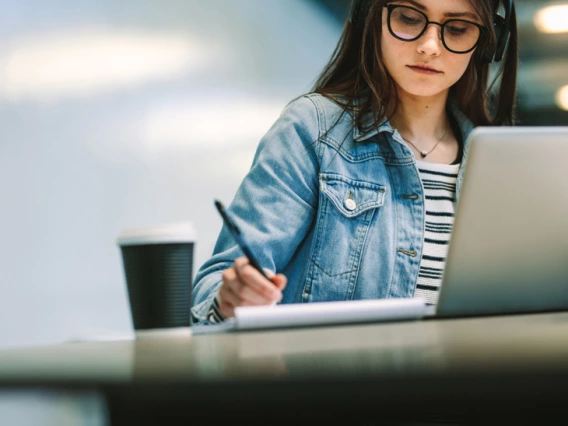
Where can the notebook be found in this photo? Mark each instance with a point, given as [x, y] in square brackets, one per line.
[318, 314]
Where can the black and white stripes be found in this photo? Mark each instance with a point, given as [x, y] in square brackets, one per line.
[439, 181]
[214, 314]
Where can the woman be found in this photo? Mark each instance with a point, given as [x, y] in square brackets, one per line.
[352, 191]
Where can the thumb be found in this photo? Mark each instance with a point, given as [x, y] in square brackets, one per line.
[279, 281]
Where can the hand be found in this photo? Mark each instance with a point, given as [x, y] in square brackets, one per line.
[245, 286]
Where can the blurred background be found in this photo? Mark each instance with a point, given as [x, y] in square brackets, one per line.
[129, 114]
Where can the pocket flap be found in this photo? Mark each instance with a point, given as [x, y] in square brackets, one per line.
[351, 197]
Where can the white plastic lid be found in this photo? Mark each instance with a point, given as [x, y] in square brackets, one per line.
[179, 232]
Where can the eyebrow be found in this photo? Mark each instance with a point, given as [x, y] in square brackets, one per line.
[447, 14]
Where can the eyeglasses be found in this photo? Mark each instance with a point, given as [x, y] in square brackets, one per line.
[408, 24]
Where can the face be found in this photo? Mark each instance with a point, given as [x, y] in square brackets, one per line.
[425, 67]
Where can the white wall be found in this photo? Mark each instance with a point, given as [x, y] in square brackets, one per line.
[126, 114]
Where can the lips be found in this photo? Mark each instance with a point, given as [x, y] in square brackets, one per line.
[424, 69]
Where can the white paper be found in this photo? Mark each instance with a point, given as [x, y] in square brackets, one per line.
[308, 314]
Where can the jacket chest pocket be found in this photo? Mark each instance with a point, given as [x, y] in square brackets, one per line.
[347, 208]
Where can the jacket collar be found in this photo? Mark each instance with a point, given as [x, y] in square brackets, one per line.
[464, 123]
[358, 136]
[367, 122]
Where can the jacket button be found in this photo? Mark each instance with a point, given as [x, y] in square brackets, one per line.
[350, 204]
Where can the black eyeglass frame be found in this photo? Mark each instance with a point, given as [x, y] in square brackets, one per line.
[392, 6]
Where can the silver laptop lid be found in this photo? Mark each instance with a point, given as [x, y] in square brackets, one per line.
[509, 246]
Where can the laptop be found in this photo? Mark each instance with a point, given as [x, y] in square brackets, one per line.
[509, 248]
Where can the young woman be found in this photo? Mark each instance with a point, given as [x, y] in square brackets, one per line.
[352, 192]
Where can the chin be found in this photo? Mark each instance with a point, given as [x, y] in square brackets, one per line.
[426, 92]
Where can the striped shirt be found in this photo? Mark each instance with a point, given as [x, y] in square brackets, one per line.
[439, 181]
[214, 315]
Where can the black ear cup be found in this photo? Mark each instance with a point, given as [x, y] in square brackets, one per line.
[496, 52]
[502, 30]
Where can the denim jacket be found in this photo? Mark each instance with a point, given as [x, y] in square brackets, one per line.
[342, 216]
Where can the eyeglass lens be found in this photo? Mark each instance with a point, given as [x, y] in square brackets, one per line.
[409, 24]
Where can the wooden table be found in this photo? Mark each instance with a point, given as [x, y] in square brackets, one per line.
[491, 370]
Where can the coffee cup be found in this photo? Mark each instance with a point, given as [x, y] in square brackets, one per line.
[158, 267]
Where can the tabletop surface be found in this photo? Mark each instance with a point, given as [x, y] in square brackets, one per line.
[536, 342]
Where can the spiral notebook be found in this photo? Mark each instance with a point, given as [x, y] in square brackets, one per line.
[318, 314]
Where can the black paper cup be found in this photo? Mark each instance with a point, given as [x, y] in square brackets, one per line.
[158, 267]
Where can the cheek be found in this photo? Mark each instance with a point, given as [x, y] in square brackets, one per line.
[459, 66]
[392, 50]
[465, 63]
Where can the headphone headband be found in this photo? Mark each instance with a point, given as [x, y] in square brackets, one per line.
[359, 9]
[501, 26]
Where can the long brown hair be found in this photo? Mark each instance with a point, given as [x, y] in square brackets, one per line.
[356, 71]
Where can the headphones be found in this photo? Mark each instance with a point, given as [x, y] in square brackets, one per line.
[501, 26]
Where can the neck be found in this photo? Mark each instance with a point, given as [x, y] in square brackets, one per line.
[421, 119]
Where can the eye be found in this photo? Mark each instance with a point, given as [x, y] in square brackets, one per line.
[407, 17]
[409, 20]
[457, 30]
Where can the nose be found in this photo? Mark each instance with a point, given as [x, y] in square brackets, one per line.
[431, 41]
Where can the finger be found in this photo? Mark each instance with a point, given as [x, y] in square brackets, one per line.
[243, 289]
[279, 281]
[254, 279]
[229, 274]
[242, 264]
[237, 293]
[248, 294]
[226, 309]
[239, 263]
[226, 295]
[230, 279]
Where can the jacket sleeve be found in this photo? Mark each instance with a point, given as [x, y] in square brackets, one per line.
[274, 205]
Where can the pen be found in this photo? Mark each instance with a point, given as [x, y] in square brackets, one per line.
[239, 238]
